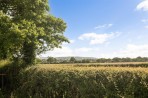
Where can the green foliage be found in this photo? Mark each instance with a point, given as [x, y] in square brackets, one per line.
[86, 61]
[38, 61]
[68, 82]
[117, 59]
[51, 60]
[8, 37]
[72, 60]
[4, 63]
[10, 78]
[28, 29]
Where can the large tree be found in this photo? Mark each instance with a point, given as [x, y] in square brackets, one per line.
[29, 29]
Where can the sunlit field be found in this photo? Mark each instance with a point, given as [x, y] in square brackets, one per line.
[83, 81]
[92, 67]
[119, 64]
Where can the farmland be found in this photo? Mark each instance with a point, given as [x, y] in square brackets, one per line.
[77, 49]
[82, 80]
[73, 81]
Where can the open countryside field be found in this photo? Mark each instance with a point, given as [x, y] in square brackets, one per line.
[118, 64]
[72, 81]
[73, 49]
[91, 67]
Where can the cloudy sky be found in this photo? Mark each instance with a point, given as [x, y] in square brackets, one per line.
[102, 28]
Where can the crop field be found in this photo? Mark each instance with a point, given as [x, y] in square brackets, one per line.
[78, 81]
[119, 64]
[89, 67]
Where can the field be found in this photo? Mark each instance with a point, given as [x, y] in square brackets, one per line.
[84, 81]
[119, 64]
[90, 67]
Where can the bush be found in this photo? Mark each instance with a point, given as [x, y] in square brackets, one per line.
[10, 78]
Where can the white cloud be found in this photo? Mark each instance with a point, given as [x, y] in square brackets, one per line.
[95, 38]
[67, 51]
[131, 50]
[59, 52]
[85, 49]
[144, 20]
[72, 41]
[146, 27]
[140, 37]
[143, 5]
[104, 26]
[134, 51]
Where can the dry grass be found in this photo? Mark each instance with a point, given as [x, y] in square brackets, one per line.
[72, 81]
[72, 67]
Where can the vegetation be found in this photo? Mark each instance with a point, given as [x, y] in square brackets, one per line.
[29, 29]
[67, 81]
[116, 59]
[51, 60]
[64, 60]
[26, 30]
[88, 80]
[4, 63]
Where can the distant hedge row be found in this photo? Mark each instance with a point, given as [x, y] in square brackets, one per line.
[41, 83]
[113, 65]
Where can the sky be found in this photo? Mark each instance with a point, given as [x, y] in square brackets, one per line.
[102, 28]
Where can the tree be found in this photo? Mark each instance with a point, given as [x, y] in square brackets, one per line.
[51, 60]
[33, 29]
[101, 60]
[116, 59]
[9, 37]
[86, 61]
[72, 60]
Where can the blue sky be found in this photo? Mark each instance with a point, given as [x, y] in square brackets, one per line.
[102, 28]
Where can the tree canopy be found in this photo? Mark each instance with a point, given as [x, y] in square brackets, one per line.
[28, 29]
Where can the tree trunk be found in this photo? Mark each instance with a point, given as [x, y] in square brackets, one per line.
[29, 53]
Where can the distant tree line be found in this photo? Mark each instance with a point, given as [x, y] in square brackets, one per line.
[127, 59]
[52, 60]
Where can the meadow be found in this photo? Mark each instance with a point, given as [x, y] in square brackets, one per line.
[83, 81]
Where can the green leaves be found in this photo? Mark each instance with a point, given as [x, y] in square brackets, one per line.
[28, 22]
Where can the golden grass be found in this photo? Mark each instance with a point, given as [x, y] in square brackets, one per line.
[85, 81]
[72, 67]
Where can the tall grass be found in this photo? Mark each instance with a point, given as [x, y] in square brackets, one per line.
[64, 81]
